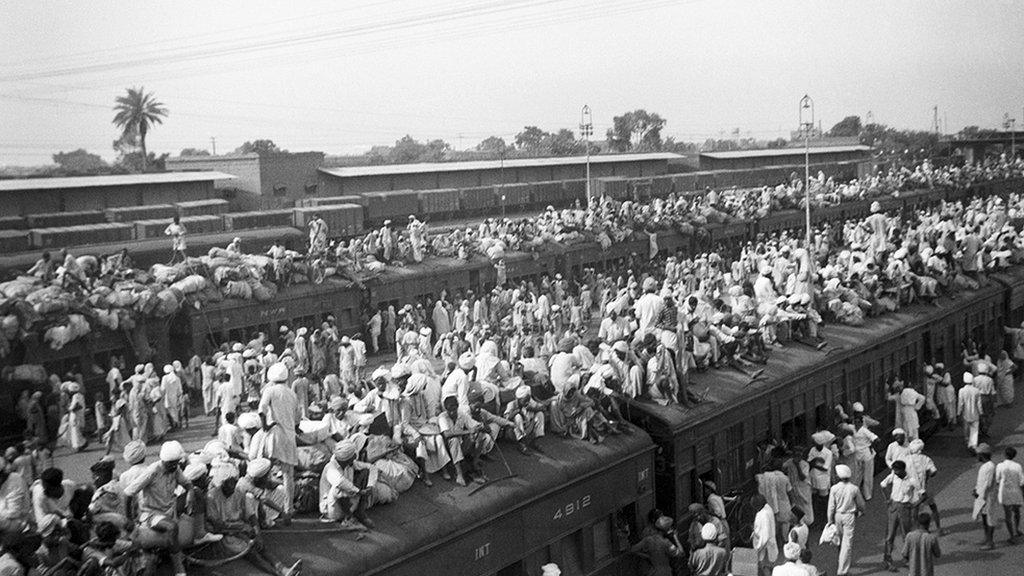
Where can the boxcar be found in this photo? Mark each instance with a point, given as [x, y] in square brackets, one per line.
[199, 330]
[576, 505]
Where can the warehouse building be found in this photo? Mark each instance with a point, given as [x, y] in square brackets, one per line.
[269, 180]
[439, 175]
[746, 159]
[28, 196]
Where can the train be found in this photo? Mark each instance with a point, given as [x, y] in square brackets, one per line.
[211, 223]
[581, 505]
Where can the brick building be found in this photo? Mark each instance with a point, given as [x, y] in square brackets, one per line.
[269, 180]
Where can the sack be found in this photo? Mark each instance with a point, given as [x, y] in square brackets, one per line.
[377, 447]
[312, 458]
[829, 535]
[383, 493]
[396, 475]
[164, 274]
[190, 284]
[307, 493]
[261, 292]
[238, 289]
[29, 373]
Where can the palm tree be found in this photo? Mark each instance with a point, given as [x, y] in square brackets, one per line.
[137, 112]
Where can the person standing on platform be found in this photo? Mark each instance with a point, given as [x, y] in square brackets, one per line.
[902, 500]
[987, 387]
[921, 548]
[969, 410]
[845, 504]
[864, 453]
[985, 495]
[921, 467]
[710, 559]
[764, 537]
[1010, 477]
[660, 547]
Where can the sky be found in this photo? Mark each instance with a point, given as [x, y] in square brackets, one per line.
[343, 76]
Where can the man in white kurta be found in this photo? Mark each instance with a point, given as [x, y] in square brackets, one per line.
[763, 539]
[845, 503]
[969, 410]
[171, 385]
[280, 410]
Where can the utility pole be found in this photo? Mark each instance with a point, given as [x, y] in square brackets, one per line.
[213, 144]
[586, 130]
[807, 125]
[1010, 123]
[935, 119]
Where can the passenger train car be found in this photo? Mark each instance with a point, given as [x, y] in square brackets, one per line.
[576, 504]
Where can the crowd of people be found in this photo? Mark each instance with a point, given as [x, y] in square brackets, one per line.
[303, 426]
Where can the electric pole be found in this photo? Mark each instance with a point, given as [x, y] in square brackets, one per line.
[213, 144]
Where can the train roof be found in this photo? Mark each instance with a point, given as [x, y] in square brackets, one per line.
[152, 250]
[726, 388]
[68, 182]
[426, 517]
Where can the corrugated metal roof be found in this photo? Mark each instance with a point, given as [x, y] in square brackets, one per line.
[434, 167]
[784, 152]
[111, 180]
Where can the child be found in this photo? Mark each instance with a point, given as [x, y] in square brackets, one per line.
[230, 434]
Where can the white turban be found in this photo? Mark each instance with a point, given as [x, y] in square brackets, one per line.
[171, 451]
[277, 373]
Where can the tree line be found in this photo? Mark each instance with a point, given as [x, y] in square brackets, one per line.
[137, 112]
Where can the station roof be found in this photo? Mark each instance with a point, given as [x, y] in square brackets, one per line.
[18, 184]
[784, 152]
[433, 167]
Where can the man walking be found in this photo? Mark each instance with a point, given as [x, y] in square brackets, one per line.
[985, 500]
[845, 503]
[921, 548]
[1010, 478]
[969, 410]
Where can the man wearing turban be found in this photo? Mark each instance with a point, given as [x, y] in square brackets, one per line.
[280, 410]
[345, 486]
[154, 488]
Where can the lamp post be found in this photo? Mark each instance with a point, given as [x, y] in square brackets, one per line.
[501, 187]
[806, 125]
[587, 130]
[1010, 124]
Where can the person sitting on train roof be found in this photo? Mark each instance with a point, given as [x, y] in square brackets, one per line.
[231, 511]
[346, 484]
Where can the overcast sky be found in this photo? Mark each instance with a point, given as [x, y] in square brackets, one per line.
[341, 76]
